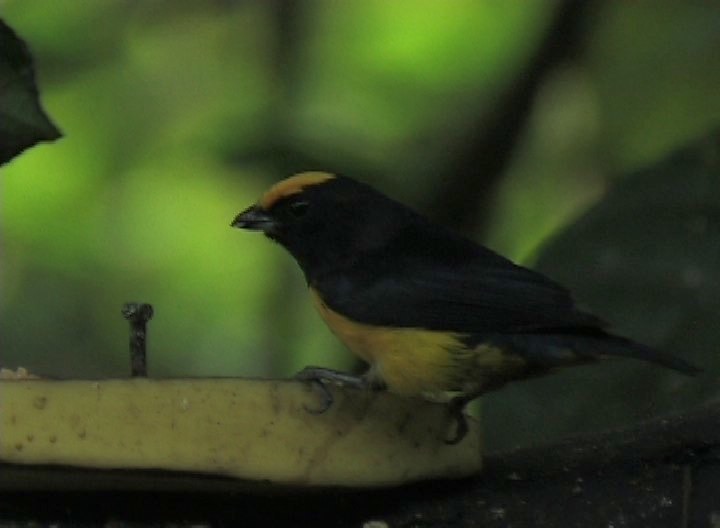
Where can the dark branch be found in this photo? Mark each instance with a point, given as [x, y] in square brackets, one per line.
[479, 162]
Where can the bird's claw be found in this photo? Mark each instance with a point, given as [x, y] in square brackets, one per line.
[318, 376]
[461, 428]
[456, 408]
[327, 397]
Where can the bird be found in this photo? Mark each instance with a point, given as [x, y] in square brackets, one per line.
[430, 311]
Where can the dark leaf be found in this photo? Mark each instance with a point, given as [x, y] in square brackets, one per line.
[647, 259]
[23, 123]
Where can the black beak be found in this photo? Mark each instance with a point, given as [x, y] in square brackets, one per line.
[253, 218]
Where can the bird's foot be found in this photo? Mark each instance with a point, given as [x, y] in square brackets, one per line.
[456, 407]
[318, 376]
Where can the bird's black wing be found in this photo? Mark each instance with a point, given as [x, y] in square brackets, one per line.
[439, 281]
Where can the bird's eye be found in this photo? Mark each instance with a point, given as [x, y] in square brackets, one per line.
[299, 209]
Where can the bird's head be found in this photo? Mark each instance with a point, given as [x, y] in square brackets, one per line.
[324, 220]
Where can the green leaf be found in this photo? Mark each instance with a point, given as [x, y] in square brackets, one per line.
[647, 259]
[23, 122]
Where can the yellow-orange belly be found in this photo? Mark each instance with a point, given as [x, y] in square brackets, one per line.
[408, 360]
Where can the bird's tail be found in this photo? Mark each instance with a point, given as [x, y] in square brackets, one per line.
[610, 345]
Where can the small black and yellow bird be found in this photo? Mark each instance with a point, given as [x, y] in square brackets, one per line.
[428, 310]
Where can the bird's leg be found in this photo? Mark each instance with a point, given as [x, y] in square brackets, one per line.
[456, 406]
[324, 374]
[319, 375]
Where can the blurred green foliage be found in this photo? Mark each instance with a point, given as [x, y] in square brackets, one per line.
[177, 114]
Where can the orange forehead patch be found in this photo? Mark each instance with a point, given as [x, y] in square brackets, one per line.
[292, 185]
